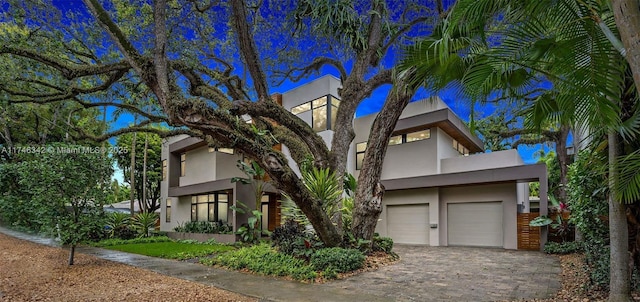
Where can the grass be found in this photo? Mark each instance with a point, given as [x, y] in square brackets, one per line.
[172, 250]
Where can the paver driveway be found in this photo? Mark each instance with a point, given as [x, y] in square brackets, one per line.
[460, 274]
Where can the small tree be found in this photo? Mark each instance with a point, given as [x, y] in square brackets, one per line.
[70, 182]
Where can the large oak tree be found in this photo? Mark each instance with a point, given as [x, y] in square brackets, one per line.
[208, 64]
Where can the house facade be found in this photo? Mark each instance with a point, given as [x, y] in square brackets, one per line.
[441, 189]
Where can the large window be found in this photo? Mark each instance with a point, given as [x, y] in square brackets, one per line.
[168, 210]
[324, 111]
[183, 164]
[164, 169]
[210, 207]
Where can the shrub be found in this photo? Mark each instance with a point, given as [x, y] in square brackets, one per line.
[143, 222]
[342, 260]
[118, 226]
[382, 244]
[110, 242]
[205, 227]
[562, 248]
[265, 260]
[291, 239]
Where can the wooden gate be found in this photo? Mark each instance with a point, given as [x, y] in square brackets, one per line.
[528, 236]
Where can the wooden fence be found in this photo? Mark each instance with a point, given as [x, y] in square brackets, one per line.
[528, 236]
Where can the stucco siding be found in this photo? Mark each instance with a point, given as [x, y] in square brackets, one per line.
[200, 166]
[310, 91]
[505, 193]
[410, 159]
[226, 165]
[481, 161]
[180, 213]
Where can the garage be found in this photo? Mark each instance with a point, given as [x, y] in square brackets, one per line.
[475, 224]
[408, 224]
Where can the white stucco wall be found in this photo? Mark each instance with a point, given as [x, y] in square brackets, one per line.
[322, 86]
[411, 159]
[180, 213]
[481, 161]
[200, 166]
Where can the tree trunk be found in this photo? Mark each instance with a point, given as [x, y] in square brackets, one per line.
[627, 16]
[368, 200]
[563, 162]
[144, 207]
[132, 178]
[619, 284]
[72, 253]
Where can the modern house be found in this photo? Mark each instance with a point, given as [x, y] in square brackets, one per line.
[441, 189]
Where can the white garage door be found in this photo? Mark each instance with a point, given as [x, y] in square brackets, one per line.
[475, 224]
[408, 224]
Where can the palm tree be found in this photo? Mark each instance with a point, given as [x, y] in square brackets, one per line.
[485, 46]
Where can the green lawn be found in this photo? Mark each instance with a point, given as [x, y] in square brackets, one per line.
[171, 250]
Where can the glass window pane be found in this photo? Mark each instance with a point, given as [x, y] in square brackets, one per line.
[223, 208]
[334, 116]
[202, 198]
[419, 135]
[359, 160]
[301, 108]
[223, 197]
[265, 217]
[168, 202]
[212, 211]
[168, 218]
[194, 199]
[164, 169]
[226, 150]
[203, 211]
[455, 144]
[395, 140]
[320, 118]
[361, 147]
[461, 148]
[265, 198]
[335, 101]
[319, 102]
[194, 214]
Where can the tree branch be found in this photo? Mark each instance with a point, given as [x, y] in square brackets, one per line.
[248, 49]
[314, 66]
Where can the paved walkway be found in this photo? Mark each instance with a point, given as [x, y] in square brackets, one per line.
[423, 274]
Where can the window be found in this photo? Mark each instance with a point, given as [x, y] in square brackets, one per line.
[410, 137]
[183, 164]
[168, 210]
[164, 169]
[210, 207]
[460, 148]
[360, 149]
[264, 207]
[322, 115]
[222, 150]
[418, 135]
[395, 140]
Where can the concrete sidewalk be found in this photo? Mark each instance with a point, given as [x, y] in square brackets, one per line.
[423, 274]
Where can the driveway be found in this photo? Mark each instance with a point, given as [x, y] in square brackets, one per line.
[460, 274]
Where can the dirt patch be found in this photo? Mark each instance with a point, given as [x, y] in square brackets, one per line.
[575, 283]
[32, 272]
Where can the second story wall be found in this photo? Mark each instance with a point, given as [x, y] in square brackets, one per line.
[411, 159]
[480, 161]
[200, 166]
